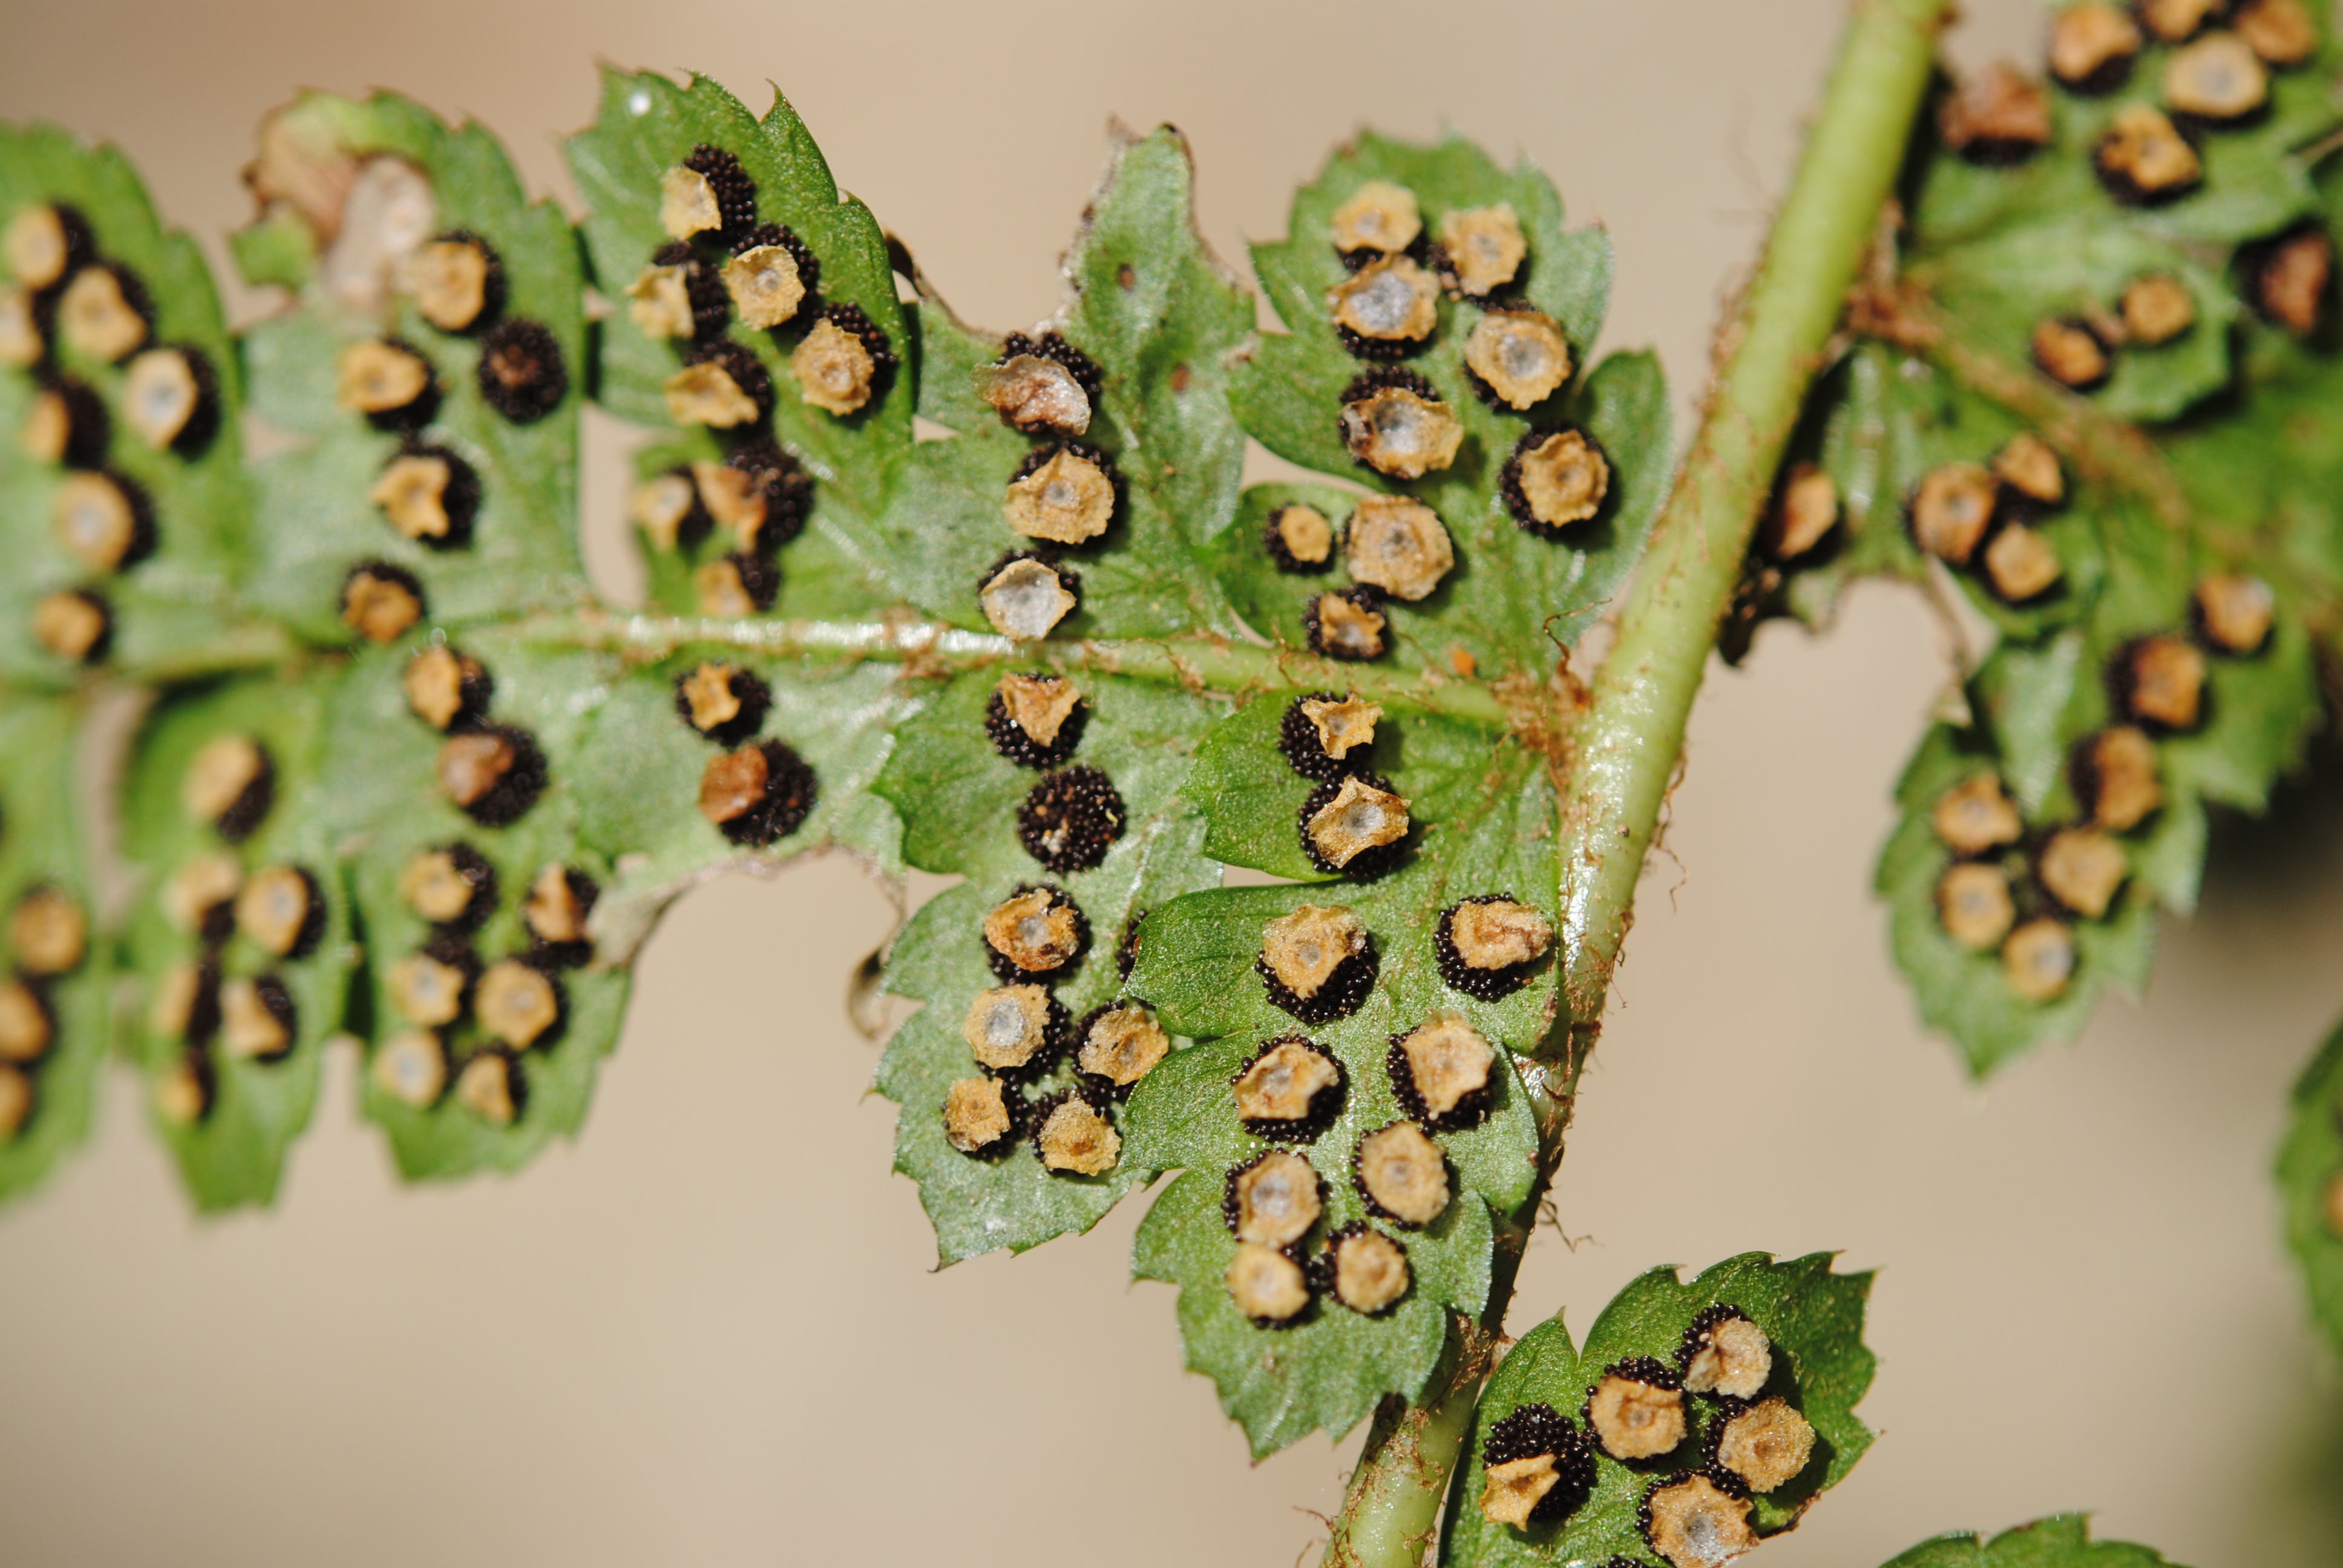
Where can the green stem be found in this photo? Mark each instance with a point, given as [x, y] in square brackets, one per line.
[925, 647]
[1626, 742]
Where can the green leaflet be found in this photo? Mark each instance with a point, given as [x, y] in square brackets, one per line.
[1966, 994]
[164, 594]
[386, 789]
[49, 1077]
[2004, 249]
[236, 997]
[1511, 590]
[2038, 709]
[1890, 420]
[1482, 809]
[960, 799]
[620, 817]
[637, 775]
[1813, 1318]
[2310, 1181]
[647, 125]
[1997, 250]
[2062, 1541]
[504, 540]
[1164, 322]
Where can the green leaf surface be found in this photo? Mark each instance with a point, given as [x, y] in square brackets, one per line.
[418, 178]
[233, 1153]
[168, 605]
[1892, 420]
[2062, 1541]
[1483, 806]
[2035, 705]
[2259, 468]
[959, 799]
[2310, 1182]
[1966, 994]
[1813, 1318]
[636, 777]
[384, 789]
[1511, 590]
[1330, 1371]
[2004, 248]
[1165, 322]
[620, 807]
[648, 124]
[43, 850]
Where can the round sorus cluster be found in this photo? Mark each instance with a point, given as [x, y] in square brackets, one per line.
[429, 495]
[381, 602]
[1035, 721]
[1015, 1031]
[1290, 1091]
[1393, 422]
[1327, 735]
[447, 688]
[759, 794]
[1556, 479]
[1348, 624]
[727, 186]
[1064, 493]
[556, 912]
[1024, 595]
[843, 362]
[1117, 1045]
[1491, 946]
[1723, 1353]
[1300, 539]
[1538, 1467]
[1037, 933]
[1275, 1199]
[1692, 1521]
[1356, 825]
[1042, 385]
[493, 772]
[1444, 1072]
[1318, 964]
[722, 701]
[1364, 1269]
[1635, 1410]
[1073, 1132]
[1402, 1175]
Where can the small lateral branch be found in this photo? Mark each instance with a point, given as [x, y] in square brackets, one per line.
[926, 647]
[2113, 452]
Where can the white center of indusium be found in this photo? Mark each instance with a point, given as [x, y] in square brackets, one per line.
[1005, 1024]
[1700, 1540]
[1382, 306]
[1278, 1195]
[1364, 819]
[88, 522]
[165, 404]
[1401, 427]
[1030, 605]
[1310, 953]
[411, 1070]
[1033, 930]
[1524, 355]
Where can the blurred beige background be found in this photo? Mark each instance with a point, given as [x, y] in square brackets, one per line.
[706, 1333]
